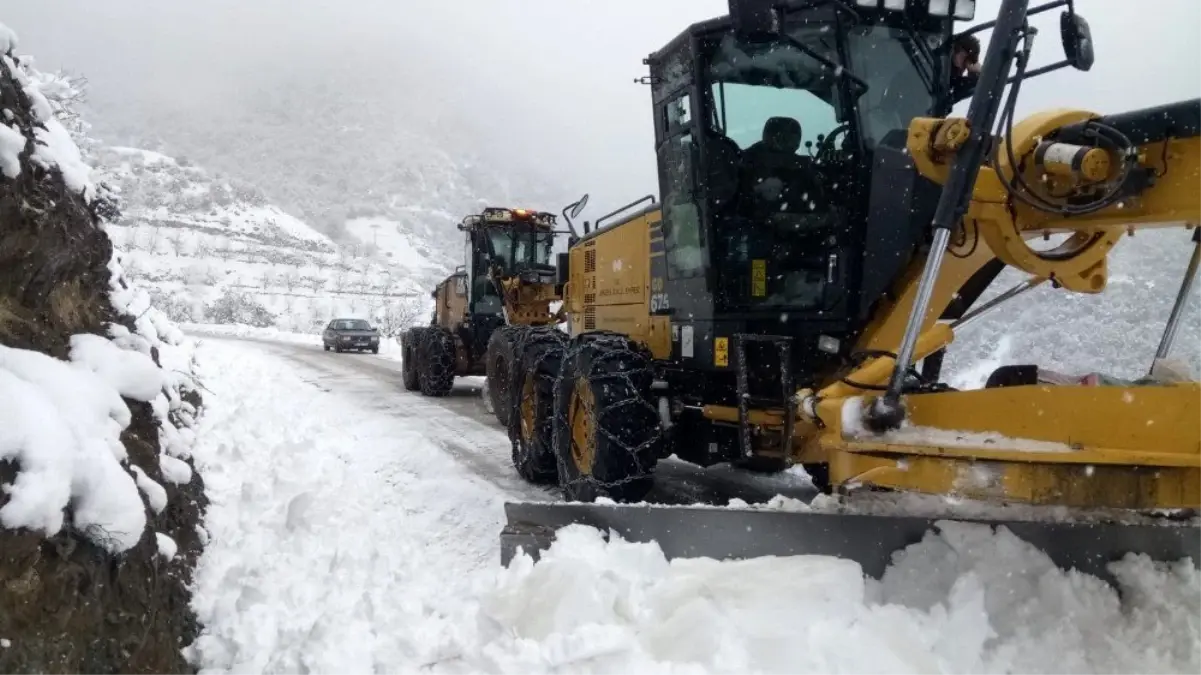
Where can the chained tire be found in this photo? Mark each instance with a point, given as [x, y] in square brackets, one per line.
[607, 432]
[408, 358]
[436, 369]
[499, 359]
[532, 406]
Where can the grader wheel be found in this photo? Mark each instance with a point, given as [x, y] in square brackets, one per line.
[408, 356]
[607, 433]
[436, 370]
[499, 360]
[531, 415]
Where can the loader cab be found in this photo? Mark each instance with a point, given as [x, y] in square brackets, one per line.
[788, 200]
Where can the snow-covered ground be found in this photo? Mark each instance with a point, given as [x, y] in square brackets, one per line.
[345, 535]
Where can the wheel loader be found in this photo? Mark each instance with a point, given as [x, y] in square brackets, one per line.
[507, 285]
[824, 229]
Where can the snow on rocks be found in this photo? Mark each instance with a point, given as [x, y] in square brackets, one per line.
[8, 39]
[61, 424]
[54, 147]
[12, 144]
[325, 534]
[166, 545]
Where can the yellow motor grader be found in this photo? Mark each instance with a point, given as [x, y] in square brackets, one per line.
[507, 284]
[825, 228]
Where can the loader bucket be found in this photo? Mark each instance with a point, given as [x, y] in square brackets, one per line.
[870, 540]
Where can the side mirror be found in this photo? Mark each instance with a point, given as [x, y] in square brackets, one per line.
[1077, 40]
[578, 207]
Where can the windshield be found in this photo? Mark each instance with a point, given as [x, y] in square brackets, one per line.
[772, 108]
[351, 324]
[515, 250]
[898, 73]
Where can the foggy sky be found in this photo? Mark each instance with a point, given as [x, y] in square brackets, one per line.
[548, 82]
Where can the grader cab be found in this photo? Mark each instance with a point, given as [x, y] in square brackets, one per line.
[508, 281]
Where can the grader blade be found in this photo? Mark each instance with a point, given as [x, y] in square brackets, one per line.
[870, 540]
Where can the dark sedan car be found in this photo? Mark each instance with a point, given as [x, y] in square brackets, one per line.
[343, 334]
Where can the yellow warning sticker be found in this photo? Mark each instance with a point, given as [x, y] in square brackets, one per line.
[721, 351]
[758, 278]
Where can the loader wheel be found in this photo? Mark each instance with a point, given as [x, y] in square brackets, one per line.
[408, 359]
[498, 366]
[436, 372]
[532, 407]
[607, 433]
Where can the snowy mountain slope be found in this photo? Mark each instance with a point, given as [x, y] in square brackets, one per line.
[208, 244]
[330, 143]
[1115, 332]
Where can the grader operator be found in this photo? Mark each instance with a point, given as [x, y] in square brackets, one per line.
[771, 310]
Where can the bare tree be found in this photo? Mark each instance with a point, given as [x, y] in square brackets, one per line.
[153, 239]
[175, 240]
[290, 278]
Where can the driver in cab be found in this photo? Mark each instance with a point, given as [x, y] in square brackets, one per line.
[777, 179]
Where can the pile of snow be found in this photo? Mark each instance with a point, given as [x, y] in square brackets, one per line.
[963, 600]
[338, 547]
[61, 426]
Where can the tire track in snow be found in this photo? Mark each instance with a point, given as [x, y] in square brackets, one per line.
[481, 449]
[461, 425]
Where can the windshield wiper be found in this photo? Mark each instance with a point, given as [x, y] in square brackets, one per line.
[838, 69]
[925, 70]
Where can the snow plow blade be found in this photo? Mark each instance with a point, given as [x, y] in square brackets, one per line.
[870, 540]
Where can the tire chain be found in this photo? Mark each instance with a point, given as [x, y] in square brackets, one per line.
[438, 362]
[556, 341]
[621, 347]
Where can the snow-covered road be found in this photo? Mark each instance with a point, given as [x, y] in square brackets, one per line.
[461, 425]
[353, 528]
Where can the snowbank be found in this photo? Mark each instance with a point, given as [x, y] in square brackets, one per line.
[62, 422]
[357, 547]
[964, 600]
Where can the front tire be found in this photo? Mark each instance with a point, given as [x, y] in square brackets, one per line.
[607, 433]
[499, 360]
[532, 405]
[436, 372]
[408, 359]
